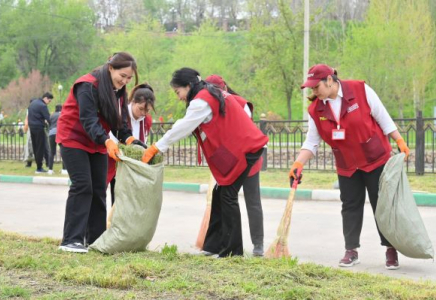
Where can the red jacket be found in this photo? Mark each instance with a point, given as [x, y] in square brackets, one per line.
[225, 140]
[365, 146]
[70, 132]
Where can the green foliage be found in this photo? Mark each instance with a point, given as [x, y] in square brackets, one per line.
[61, 39]
[48, 35]
[387, 52]
[136, 152]
[277, 54]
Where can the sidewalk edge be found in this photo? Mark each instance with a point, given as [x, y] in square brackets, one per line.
[421, 199]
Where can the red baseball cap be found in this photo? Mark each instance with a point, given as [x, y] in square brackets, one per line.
[315, 74]
[216, 80]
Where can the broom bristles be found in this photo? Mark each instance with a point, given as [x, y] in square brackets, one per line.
[206, 218]
[277, 249]
[203, 228]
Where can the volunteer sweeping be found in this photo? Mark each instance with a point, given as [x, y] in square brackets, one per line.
[231, 144]
[349, 116]
[95, 105]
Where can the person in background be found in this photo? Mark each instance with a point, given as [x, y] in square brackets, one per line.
[38, 117]
[231, 144]
[349, 116]
[96, 104]
[251, 184]
[52, 140]
[141, 102]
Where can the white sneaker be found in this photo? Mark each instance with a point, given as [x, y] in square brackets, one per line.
[50, 172]
[64, 172]
[74, 247]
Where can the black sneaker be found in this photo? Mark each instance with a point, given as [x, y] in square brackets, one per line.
[28, 164]
[74, 247]
[40, 171]
[258, 250]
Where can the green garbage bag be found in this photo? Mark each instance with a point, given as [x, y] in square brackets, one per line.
[138, 204]
[397, 215]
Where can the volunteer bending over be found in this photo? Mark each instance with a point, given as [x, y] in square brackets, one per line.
[231, 144]
[349, 116]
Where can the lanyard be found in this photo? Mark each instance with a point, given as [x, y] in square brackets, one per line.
[338, 120]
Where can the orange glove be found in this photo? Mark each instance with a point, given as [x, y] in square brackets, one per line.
[129, 140]
[293, 172]
[149, 153]
[112, 149]
[403, 147]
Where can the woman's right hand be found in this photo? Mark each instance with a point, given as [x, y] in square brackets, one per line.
[149, 153]
[293, 173]
[112, 149]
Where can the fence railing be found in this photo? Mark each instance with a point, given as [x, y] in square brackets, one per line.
[285, 141]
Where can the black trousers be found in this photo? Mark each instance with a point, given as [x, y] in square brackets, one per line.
[251, 188]
[39, 144]
[353, 193]
[52, 140]
[85, 214]
[224, 235]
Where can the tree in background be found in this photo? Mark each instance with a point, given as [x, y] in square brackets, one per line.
[15, 97]
[393, 50]
[52, 36]
[276, 38]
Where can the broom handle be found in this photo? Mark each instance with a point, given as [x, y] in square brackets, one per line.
[285, 222]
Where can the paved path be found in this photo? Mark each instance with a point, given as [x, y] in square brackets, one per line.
[315, 234]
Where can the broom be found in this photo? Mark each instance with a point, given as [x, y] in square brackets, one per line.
[279, 248]
[206, 217]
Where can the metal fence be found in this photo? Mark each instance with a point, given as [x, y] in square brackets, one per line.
[285, 140]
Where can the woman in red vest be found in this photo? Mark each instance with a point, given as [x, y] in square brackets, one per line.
[95, 105]
[141, 102]
[231, 144]
[349, 116]
[251, 184]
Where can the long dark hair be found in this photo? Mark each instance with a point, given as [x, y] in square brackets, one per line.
[142, 93]
[107, 102]
[189, 77]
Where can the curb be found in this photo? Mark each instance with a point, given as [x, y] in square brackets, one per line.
[421, 199]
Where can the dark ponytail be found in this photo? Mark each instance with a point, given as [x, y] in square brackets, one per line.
[107, 102]
[189, 77]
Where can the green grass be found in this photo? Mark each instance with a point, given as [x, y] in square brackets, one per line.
[33, 268]
[270, 178]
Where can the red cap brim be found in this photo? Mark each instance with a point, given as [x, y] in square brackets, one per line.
[310, 83]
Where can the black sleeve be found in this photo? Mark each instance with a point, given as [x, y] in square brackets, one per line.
[125, 132]
[46, 114]
[87, 95]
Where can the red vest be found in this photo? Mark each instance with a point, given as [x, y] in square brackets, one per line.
[70, 132]
[226, 139]
[258, 165]
[365, 146]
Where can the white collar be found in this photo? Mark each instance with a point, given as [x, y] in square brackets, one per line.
[340, 95]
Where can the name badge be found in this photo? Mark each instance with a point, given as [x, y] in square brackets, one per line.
[338, 134]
